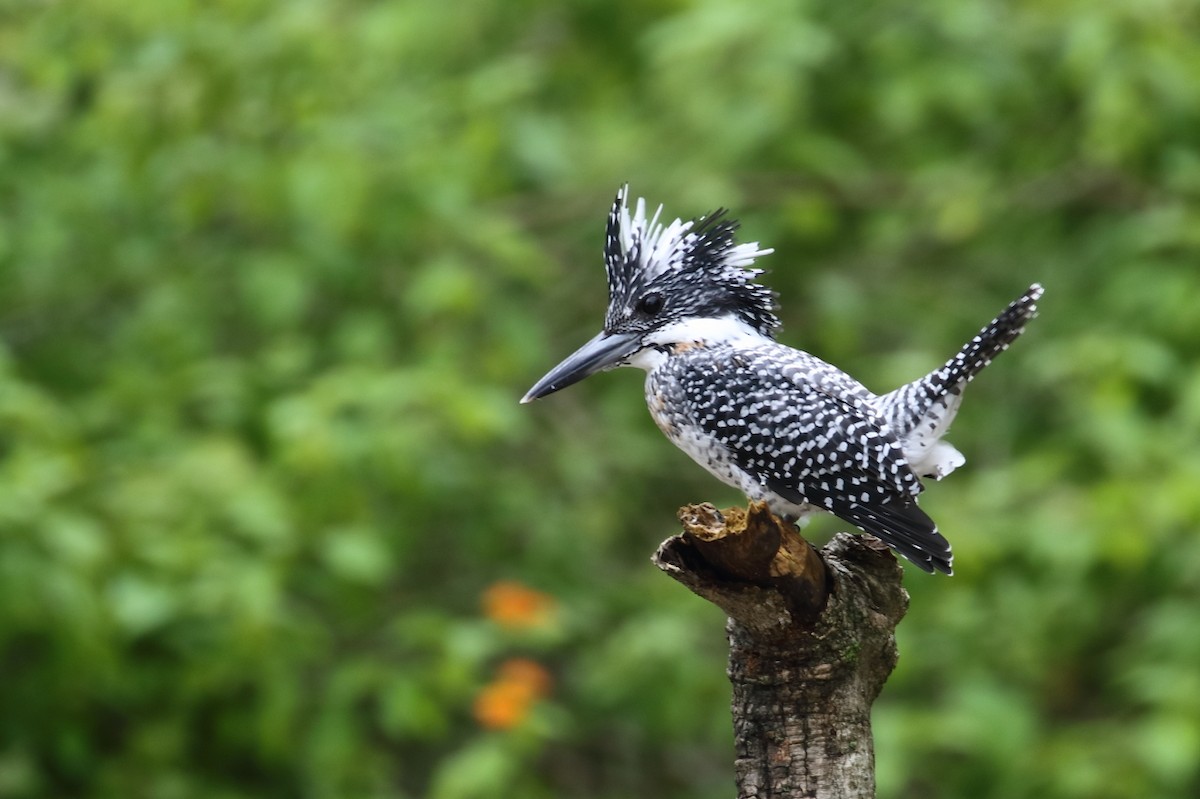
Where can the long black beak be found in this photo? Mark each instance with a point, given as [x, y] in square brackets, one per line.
[604, 351]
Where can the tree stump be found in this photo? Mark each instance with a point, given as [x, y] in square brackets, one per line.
[811, 643]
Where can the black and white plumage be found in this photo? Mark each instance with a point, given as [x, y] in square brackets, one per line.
[780, 424]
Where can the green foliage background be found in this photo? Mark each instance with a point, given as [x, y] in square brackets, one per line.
[275, 274]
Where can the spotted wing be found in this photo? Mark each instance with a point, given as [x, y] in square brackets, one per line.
[807, 431]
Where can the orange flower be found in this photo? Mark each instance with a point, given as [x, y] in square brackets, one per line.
[528, 673]
[516, 606]
[505, 701]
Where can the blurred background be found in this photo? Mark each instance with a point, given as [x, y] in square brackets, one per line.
[273, 277]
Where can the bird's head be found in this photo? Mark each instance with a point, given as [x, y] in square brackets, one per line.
[668, 284]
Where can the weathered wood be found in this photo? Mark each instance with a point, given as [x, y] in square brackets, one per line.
[811, 643]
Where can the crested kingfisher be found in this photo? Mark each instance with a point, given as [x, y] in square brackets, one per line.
[784, 426]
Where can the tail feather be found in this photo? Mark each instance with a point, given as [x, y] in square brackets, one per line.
[991, 341]
[920, 412]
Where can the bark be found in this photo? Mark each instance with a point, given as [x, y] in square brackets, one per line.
[811, 643]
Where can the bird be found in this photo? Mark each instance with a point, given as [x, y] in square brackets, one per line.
[685, 304]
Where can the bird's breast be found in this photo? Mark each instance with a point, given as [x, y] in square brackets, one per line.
[677, 416]
[661, 411]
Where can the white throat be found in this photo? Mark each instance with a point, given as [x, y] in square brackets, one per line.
[697, 331]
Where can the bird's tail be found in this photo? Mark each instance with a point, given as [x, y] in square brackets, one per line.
[920, 412]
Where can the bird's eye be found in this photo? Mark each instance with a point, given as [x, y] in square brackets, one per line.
[651, 304]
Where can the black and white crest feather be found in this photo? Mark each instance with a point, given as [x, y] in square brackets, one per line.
[694, 265]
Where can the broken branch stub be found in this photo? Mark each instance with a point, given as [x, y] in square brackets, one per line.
[811, 643]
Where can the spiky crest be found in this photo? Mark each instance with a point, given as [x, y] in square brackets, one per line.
[695, 265]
